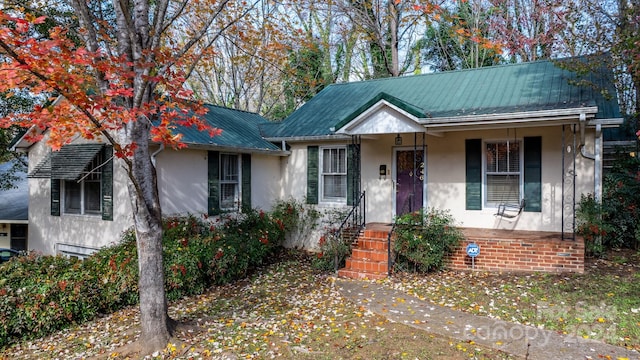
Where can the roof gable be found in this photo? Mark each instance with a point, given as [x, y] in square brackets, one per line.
[381, 118]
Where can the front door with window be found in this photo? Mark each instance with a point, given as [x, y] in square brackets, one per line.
[410, 175]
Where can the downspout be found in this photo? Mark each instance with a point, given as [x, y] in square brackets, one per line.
[155, 153]
[596, 156]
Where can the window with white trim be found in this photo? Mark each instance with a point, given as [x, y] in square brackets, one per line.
[229, 181]
[333, 174]
[503, 172]
[83, 196]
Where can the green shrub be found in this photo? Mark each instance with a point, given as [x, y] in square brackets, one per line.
[591, 226]
[621, 203]
[333, 252]
[334, 249]
[424, 239]
[613, 223]
[43, 294]
[298, 218]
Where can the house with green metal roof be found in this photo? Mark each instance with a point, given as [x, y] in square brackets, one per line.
[78, 195]
[504, 147]
[508, 148]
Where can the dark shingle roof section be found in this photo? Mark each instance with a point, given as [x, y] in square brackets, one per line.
[72, 160]
[239, 130]
[504, 89]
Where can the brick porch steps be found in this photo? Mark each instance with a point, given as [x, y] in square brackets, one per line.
[369, 257]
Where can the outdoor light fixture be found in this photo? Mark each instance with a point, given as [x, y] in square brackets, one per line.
[398, 140]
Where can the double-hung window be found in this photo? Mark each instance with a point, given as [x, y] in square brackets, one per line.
[333, 173]
[229, 181]
[503, 172]
[83, 196]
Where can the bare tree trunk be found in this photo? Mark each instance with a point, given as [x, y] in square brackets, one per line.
[393, 30]
[143, 191]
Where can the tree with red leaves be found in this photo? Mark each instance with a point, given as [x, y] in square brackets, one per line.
[118, 79]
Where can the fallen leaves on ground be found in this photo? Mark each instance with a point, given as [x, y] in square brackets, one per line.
[286, 310]
[600, 304]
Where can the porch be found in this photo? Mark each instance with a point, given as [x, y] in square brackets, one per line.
[500, 250]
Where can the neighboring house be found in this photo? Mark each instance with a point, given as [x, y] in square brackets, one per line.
[467, 141]
[14, 212]
[79, 200]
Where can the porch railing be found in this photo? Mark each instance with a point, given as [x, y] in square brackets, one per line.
[406, 207]
[354, 222]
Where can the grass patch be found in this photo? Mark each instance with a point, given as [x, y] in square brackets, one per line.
[601, 304]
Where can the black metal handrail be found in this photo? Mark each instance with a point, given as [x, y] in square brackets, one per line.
[405, 209]
[354, 222]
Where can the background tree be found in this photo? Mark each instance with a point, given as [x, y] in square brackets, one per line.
[10, 103]
[528, 29]
[459, 38]
[387, 29]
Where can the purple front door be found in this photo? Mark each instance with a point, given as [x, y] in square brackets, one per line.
[409, 180]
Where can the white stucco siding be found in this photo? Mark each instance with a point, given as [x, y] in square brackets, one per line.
[5, 240]
[47, 232]
[379, 189]
[182, 181]
[446, 179]
[294, 173]
[265, 180]
[446, 176]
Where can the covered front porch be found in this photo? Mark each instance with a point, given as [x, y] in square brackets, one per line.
[500, 250]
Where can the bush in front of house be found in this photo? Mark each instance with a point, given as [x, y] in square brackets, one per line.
[613, 222]
[621, 203]
[423, 239]
[591, 225]
[334, 250]
[333, 247]
[43, 294]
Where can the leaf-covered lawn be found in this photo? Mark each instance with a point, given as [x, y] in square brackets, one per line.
[287, 310]
[603, 303]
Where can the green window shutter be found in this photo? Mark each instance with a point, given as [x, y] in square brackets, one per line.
[352, 168]
[55, 197]
[246, 182]
[533, 174]
[312, 174]
[213, 181]
[473, 161]
[107, 184]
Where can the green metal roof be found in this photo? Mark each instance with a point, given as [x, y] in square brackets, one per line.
[239, 130]
[513, 88]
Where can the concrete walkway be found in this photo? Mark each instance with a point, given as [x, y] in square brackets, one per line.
[520, 340]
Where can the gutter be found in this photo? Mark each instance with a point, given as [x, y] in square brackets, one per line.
[525, 116]
[239, 150]
[155, 153]
[336, 137]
